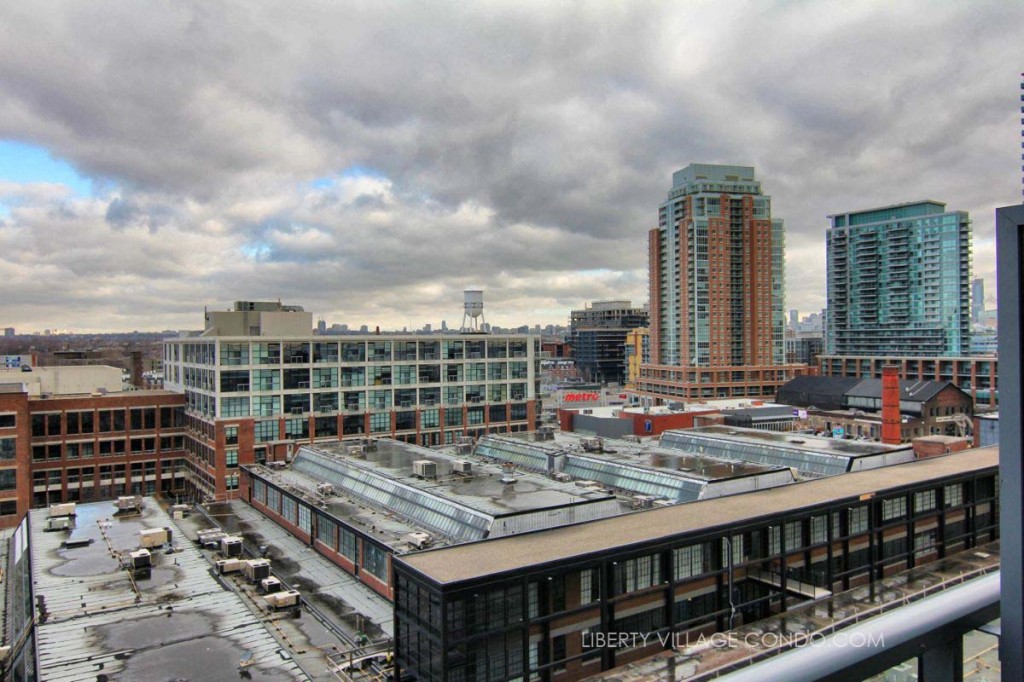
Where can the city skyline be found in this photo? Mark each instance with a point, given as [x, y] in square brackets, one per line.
[181, 170]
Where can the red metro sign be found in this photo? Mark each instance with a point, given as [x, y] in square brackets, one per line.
[585, 397]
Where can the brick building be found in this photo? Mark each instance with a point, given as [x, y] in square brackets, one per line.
[80, 444]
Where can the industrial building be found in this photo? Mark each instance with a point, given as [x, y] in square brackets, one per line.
[848, 407]
[257, 381]
[85, 600]
[529, 605]
[359, 504]
[642, 421]
[70, 434]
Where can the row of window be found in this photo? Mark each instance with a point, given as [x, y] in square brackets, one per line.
[54, 424]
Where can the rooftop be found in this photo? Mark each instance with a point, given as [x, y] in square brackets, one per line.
[476, 560]
[178, 622]
[811, 455]
[376, 487]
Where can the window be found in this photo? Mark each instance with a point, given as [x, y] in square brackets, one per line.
[347, 546]
[375, 561]
[231, 482]
[230, 435]
[636, 574]
[380, 422]
[589, 586]
[266, 431]
[924, 501]
[234, 407]
[8, 479]
[7, 448]
[858, 519]
[8, 507]
[8, 421]
[689, 561]
[894, 508]
[953, 494]
[231, 457]
[819, 529]
[305, 518]
[794, 536]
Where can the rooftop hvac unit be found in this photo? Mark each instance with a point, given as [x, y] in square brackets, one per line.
[63, 509]
[140, 558]
[586, 484]
[225, 566]
[643, 502]
[276, 465]
[419, 540]
[592, 444]
[562, 476]
[508, 473]
[464, 449]
[461, 466]
[270, 585]
[180, 511]
[231, 546]
[154, 537]
[58, 523]
[256, 570]
[425, 468]
[282, 599]
[357, 451]
[129, 503]
[325, 488]
[663, 503]
[210, 538]
[465, 440]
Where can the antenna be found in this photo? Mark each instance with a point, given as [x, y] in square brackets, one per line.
[473, 312]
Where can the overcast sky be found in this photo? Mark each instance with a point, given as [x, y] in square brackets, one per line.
[371, 160]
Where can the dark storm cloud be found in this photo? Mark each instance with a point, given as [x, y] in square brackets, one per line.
[523, 147]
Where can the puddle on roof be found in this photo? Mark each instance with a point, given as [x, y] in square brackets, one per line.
[145, 633]
[206, 658]
[85, 564]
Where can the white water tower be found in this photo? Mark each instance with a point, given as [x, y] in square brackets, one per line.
[473, 312]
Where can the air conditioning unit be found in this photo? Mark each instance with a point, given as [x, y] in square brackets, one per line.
[140, 558]
[210, 538]
[129, 503]
[587, 484]
[63, 509]
[464, 449]
[461, 466]
[276, 465]
[225, 566]
[424, 468]
[282, 599]
[643, 502]
[270, 585]
[154, 537]
[231, 546]
[59, 523]
[256, 570]
[562, 476]
[325, 488]
[357, 451]
[419, 540]
[663, 503]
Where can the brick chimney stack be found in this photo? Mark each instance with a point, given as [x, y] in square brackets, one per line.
[891, 405]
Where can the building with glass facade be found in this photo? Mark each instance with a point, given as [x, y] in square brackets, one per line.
[899, 281]
[598, 335]
[255, 387]
[717, 278]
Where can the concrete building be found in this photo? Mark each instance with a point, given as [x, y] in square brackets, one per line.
[529, 606]
[598, 336]
[976, 375]
[638, 354]
[70, 434]
[716, 289]
[257, 382]
[899, 281]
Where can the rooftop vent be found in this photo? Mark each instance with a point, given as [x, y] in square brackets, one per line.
[424, 468]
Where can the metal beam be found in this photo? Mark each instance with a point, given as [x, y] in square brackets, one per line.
[881, 642]
[1009, 258]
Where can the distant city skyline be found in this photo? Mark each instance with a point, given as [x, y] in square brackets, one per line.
[396, 160]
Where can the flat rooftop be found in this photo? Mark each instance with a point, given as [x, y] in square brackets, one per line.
[177, 623]
[630, 467]
[810, 455]
[377, 488]
[468, 562]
